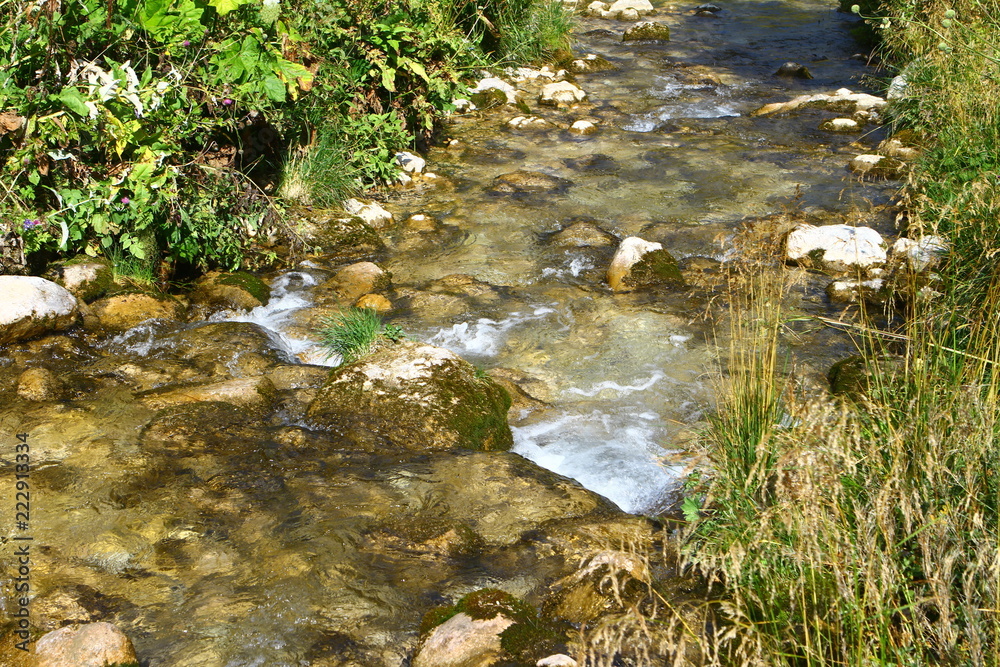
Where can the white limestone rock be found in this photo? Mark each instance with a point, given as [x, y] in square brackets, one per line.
[410, 163]
[32, 306]
[919, 255]
[372, 213]
[583, 127]
[836, 248]
[560, 93]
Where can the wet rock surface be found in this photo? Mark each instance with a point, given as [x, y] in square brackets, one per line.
[414, 396]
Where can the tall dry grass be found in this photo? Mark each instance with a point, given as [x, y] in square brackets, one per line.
[865, 532]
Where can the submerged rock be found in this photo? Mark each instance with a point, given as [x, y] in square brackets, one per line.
[415, 396]
[39, 384]
[359, 279]
[851, 290]
[835, 248]
[638, 263]
[256, 394]
[583, 127]
[583, 234]
[89, 645]
[527, 182]
[647, 31]
[341, 238]
[32, 306]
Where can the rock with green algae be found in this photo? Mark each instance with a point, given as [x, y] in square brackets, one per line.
[415, 396]
[88, 278]
[639, 264]
[647, 31]
[236, 292]
[483, 628]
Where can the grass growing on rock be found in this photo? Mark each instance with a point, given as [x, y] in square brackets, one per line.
[355, 333]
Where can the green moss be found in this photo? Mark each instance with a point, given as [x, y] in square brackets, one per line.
[482, 420]
[527, 640]
[647, 31]
[655, 268]
[249, 283]
[489, 99]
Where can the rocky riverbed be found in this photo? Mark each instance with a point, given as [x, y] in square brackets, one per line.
[203, 481]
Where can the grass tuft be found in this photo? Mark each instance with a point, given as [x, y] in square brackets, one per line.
[355, 333]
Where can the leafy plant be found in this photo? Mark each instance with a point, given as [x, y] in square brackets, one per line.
[355, 333]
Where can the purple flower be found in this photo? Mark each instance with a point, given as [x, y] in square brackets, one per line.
[28, 224]
[126, 200]
[226, 102]
[186, 42]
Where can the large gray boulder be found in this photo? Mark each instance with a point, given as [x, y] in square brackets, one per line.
[32, 306]
[415, 396]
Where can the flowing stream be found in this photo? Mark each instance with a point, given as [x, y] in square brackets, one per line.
[288, 552]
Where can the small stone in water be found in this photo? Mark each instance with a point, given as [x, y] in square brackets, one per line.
[794, 70]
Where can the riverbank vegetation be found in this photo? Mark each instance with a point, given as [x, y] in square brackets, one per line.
[864, 530]
[149, 129]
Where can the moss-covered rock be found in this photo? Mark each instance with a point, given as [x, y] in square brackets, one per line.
[414, 396]
[647, 31]
[88, 278]
[639, 264]
[238, 292]
[488, 624]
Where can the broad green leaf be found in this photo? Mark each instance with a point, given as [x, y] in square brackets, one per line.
[416, 68]
[74, 101]
[223, 7]
[141, 172]
[274, 88]
[691, 508]
[389, 79]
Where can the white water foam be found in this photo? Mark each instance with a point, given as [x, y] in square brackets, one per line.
[485, 336]
[574, 267]
[614, 454]
[618, 389]
[289, 293]
[712, 103]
